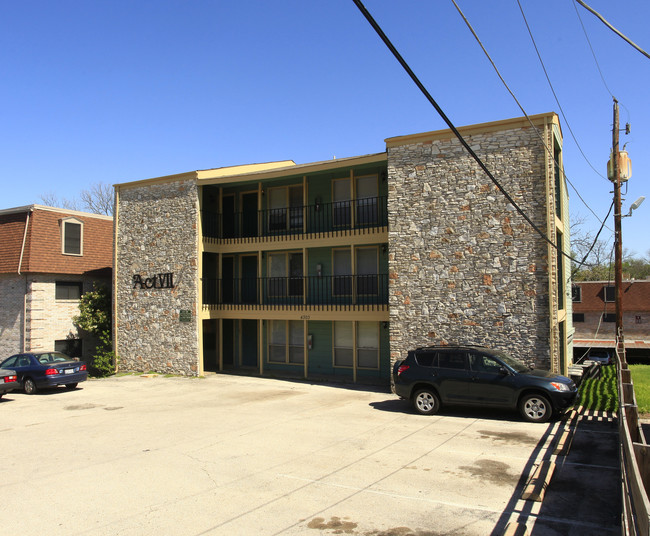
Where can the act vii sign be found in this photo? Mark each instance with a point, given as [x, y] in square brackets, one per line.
[156, 281]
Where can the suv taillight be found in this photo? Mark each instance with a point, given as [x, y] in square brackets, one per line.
[401, 369]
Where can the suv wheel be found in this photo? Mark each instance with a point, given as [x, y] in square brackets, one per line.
[535, 408]
[426, 402]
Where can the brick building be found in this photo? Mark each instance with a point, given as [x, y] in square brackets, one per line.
[48, 258]
[594, 316]
[337, 268]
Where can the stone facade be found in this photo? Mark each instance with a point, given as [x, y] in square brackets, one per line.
[464, 265]
[12, 313]
[156, 313]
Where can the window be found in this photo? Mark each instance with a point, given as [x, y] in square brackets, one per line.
[578, 317]
[427, 359]
[367, 268]
[609, 317]
[609, 293]
[68, 290]
[343, 344]
[285, 268]
[368, 345]
[69, 347]
[342, 283]
[484, 363]
[286, 341]
[367, 350]
[285, 208]
[576, 293]
[71, 237]
[366, 200]
[342, 197]
[452, 360]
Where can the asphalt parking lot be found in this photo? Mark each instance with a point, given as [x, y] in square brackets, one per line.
[234, 455]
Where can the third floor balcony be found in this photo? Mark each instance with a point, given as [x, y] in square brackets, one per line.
[316, 219]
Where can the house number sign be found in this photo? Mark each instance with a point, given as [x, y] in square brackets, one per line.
[155, 281]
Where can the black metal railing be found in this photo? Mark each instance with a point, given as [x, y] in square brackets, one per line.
[369, 289]
[317, 218]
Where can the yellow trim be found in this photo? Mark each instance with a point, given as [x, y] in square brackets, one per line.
[257, 172]
[114, 290]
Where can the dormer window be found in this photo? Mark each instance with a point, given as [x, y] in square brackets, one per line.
[72, 236]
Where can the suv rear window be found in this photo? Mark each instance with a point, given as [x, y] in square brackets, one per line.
[426, 359]
[452, 360]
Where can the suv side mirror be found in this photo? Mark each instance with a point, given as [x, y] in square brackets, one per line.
[503, 371]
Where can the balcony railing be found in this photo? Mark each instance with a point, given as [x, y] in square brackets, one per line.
[371, 289]
[318, 218]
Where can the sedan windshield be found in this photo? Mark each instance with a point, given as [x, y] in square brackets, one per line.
[515, 365]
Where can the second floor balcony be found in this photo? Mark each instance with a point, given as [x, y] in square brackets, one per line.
[317, 219]
[313, 291]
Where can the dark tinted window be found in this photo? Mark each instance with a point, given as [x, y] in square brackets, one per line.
[452, 359]
[426, 359]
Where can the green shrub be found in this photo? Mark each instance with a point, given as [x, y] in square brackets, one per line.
[95, 318]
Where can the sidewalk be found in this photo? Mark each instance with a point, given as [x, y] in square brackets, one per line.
[578, 481]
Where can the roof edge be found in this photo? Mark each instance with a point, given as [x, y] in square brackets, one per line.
[32, 208]
[478, 128]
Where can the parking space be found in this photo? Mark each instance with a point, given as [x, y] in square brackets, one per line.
[241, 455]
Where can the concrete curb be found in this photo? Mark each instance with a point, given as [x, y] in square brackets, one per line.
[538, 483]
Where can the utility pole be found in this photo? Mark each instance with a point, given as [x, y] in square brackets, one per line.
[618, 239]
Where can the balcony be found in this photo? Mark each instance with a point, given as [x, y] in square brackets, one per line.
[344, 291]
[318, 219]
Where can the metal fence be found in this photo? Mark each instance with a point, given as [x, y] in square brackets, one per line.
[368, 289]
[318, 218]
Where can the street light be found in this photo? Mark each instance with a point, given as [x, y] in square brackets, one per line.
[634, 206]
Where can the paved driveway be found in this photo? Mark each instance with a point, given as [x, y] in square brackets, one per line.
[240, 455]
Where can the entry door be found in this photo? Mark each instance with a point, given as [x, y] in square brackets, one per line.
[249, 345]
[228, 342]
[228, 280]
[249, 279]
[228, 216]
[210, 362]
[249, 214]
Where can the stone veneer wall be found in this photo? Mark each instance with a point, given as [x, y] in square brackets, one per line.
[157, 233]
[12, 298]
[460, 256]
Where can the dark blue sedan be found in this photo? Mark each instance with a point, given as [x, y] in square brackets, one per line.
[36, 370]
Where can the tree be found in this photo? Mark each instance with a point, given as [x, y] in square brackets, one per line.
[600, 257]
[99, 199]
[95, 318]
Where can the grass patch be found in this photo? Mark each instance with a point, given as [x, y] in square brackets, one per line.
[641, 380]
[600, 394]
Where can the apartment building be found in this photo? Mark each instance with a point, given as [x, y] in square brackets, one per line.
[337, 268]
[48, 258]
[594, 315]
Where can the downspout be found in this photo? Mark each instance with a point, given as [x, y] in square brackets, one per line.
[115, 326]
[20, 265]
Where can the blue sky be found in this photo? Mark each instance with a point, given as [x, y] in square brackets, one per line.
[112, 91]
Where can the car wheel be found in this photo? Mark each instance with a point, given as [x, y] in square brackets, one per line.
[535, 408]
[29, 386]
[426, 402]
[70, 386]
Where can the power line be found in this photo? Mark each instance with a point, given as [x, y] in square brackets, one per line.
[548, 150]
[624, 37]
[592, 50]
[458, 135]
[539, 56]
